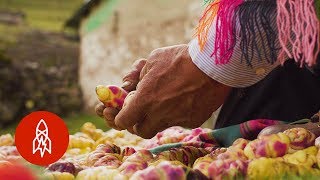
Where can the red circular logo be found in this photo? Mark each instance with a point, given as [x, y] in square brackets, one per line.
[42, 138]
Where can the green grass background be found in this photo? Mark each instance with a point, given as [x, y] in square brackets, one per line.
[42, 14]
[73, 123]
[48, 16]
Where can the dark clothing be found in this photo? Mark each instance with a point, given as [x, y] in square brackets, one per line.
[288, 93]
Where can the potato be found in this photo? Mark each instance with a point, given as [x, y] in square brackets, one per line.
[274, 145]
[111, 96]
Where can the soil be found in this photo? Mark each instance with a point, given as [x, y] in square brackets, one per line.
[39, 72]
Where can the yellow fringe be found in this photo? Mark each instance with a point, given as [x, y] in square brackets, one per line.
[205, 23]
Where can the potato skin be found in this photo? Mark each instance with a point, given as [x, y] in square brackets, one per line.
[312, 127]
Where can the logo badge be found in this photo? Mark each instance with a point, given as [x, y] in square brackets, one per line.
[42, 138]
[41, 142]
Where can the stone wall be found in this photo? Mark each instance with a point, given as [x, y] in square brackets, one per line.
[134, 29]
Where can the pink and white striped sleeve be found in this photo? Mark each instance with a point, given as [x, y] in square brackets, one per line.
[235, 73]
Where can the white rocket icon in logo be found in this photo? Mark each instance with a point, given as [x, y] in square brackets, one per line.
[41, 142]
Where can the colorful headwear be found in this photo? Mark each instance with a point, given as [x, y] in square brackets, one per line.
[284, 28]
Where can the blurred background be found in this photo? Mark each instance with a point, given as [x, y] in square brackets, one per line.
[54, 53]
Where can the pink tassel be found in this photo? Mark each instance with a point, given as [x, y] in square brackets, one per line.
[225, 37]
[298, 28]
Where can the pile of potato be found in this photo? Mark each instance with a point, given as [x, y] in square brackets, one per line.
[94, 154]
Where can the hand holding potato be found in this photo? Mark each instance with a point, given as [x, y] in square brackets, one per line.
[167, 89]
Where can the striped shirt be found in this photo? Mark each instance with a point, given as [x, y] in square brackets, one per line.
[235, 73]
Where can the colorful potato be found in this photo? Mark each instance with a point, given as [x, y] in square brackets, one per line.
[267, 168]
[128, 168]
[127, 151]
[276, 168]
[91, 130]
[233, 153]
[170, 135]
[317, 142]
[109, 160]
[194, 135]
[63, 167]
[273, 145]
[111, 96]
[93, 157]
[137, 161]
[202, 164]
[175, 163]
[97, 158]
[217, 152]
[6, 140]
[58, 176]
[2, 157]
[195, 175]
[240, 143]
[318, 157]
[9, 151]
[300, 138]
[108, 148]
[305, 157]
[121, 138]
[81, 134]
[163, 171]
[140, 156]
[107, 174]
[80, 142]
[11, 154]
[187, 154]
[227, 169]
[100, 173]
[176, 134]
[77, 151]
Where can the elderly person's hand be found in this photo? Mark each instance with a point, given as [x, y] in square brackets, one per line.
[167, 89]
[130, 82]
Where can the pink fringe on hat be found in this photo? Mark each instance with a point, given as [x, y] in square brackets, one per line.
[298, 28]
[225, 38]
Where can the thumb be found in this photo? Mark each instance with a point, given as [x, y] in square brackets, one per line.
[131, 80]
[132, 112]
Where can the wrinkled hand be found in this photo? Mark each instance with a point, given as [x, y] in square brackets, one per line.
[130, 82]
[167, 89]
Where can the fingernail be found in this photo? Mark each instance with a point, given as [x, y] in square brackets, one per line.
[125, 84]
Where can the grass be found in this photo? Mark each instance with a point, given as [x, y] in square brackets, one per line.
[44, 15]
[8, 35]
[40, 14]
[73, 123]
